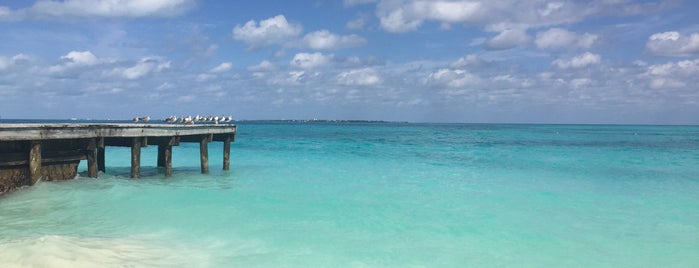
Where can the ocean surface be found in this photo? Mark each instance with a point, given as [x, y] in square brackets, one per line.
[377, 195]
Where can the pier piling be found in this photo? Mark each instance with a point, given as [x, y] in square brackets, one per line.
[92, 158]
[100, 155]
[34, 161]
[204, 153]
[136, 157]
[227, 153]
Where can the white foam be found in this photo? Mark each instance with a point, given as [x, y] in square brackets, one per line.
[67, 251]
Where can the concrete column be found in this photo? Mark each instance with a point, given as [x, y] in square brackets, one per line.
[167, 157]
[92, 158]
[227, 153]
[136, 157]
[204, 153]
[161, 155]
[34, 162]
[100, 154]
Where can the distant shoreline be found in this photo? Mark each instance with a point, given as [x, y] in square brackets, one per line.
[358, 121]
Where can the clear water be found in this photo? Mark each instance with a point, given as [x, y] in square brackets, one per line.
[378, 195]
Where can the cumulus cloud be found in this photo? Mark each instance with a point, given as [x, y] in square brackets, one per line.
[681, 68]
[665, 83]
[263, 66]
[80, 58]
[275, 30]
[7, 62]
[405, 16]
[453, 78]
[324, 39]
[310, 60]
[673, 44]
[223, 67]
[111, 8]
[73, 60]
[561, 38]
[359, 77]
[399, 16]
[144, 67]
[580, 61]
[508, 38]
[468, 60]
[580, 82]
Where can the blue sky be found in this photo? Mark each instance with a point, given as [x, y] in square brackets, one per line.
[599, 61]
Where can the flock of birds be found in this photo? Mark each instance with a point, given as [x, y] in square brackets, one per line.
[189, 120]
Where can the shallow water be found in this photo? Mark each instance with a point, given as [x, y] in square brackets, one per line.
[378, 195]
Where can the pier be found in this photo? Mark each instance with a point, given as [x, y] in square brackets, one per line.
[29, 152]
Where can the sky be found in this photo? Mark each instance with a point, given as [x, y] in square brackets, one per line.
[498, 61]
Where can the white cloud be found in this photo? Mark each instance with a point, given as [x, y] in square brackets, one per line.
[263, 66]
[673, 44]
[310, 60]
[223, 67]
[507, 39]
[81, 57]
[324, 39]
[468, 60]
[580, 82]
[144, 67]
[4, 63]
[275, 30]
[405, 16]
[205, 77]
[454, 78]
[138, 70]
[111, 8]
[685, 68]
[580, 61]
[561, 38]
[664, 83]
[5, 13]
[75, 59]
[359, 77]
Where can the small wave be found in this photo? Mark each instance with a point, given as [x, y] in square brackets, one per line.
[68, 251]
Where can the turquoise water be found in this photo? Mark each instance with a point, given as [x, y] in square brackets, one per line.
[378, 195]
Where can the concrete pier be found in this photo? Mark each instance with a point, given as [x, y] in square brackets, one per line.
[30, 152]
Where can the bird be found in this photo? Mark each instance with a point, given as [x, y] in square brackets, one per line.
[145, 118]
[135, 119]
[188, 120]
[171, 119]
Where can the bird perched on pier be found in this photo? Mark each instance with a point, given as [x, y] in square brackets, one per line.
[145, 118]
[171, 119]
[188, 120]
[135, 119]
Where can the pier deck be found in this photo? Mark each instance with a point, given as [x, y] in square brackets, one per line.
[29, 152]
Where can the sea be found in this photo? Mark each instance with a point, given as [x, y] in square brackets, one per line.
[377, 194]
